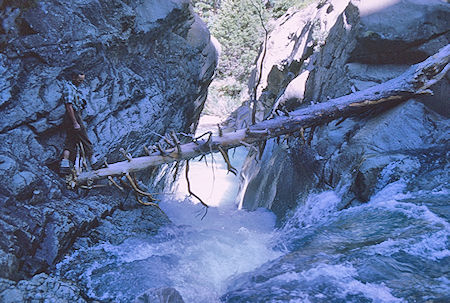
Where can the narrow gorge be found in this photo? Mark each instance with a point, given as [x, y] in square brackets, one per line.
[356, 210]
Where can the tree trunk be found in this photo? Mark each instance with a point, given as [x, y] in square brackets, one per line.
[415, 81]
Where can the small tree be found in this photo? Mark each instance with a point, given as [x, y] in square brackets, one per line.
[207, 10]
[238, 29]
[239, 25]
[281, 6]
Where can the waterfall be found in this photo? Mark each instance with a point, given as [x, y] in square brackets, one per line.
[367, 253]
[195, 256]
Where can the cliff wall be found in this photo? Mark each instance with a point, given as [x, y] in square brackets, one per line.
[148, 65]
[330, 49]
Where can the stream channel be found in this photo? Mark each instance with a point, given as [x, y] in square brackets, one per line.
[392, 249]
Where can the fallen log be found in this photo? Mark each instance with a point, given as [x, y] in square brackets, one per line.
[414, 81]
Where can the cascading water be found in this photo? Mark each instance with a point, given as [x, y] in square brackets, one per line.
[392, 249]
[195, 256]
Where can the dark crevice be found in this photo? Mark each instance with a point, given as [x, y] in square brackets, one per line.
[25, 28]
[374, 50]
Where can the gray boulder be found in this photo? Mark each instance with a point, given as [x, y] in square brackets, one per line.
[41, 288]
[148, 65]
[333, 49]
[160, 295]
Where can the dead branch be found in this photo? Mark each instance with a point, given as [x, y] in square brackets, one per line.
[147, 151]
[82, 157]
[138, 192]
[126, 154]
[176, 141]
[302, 135]
[259, 70]
[166, 139]
[311, 135]
[188, 182]
[249, 146]
[115, 183]
[137, 189]
[225, 156]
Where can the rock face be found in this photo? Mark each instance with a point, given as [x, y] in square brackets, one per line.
[148, 65]
[329, 50]
[395, 158]
[41, 288]
[160, 295]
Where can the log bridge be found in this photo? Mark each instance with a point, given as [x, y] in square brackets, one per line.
[414, 81]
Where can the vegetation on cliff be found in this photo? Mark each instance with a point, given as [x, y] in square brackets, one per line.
[239, 27]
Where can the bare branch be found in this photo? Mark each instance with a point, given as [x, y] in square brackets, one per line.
[225, 156]
[259, 70]
[190, 191]
[115, 183]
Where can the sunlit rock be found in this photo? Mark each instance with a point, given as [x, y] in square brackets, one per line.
[333, 49]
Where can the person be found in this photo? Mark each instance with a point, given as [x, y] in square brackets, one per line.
[73, 124]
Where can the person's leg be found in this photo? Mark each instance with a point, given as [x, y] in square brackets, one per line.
[84, 139]
[66, 154]
[87, 144]
[64, 166]
[70, 146]
[69, 151]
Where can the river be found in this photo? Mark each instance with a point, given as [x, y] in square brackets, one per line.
[395, 248]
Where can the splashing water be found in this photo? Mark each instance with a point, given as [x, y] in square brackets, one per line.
[391, 249]
[194, 256]
[395, 248]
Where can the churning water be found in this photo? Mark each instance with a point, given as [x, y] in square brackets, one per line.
[195, 256]
[392, 249]
[395, 248]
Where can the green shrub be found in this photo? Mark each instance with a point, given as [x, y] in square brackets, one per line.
[224, 96]
[239, 30]
[281, 6]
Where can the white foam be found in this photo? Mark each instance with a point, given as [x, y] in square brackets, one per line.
[392, 191]
[433, 244]
[412, 210]
[186, 212]
[316, 208]
[343, 276]
[430, 246]
[339, 271]
[212, 182]
[204, 254]
[377, 292]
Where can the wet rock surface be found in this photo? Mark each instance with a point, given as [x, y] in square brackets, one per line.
[41, 288]
[147, 66]
[364, 41]
[169, 295]
[336, 247]
[92, 262]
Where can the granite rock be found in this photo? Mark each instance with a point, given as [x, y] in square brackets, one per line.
[41, 288]
[160, 295]
[148, 65]
[330, 50]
